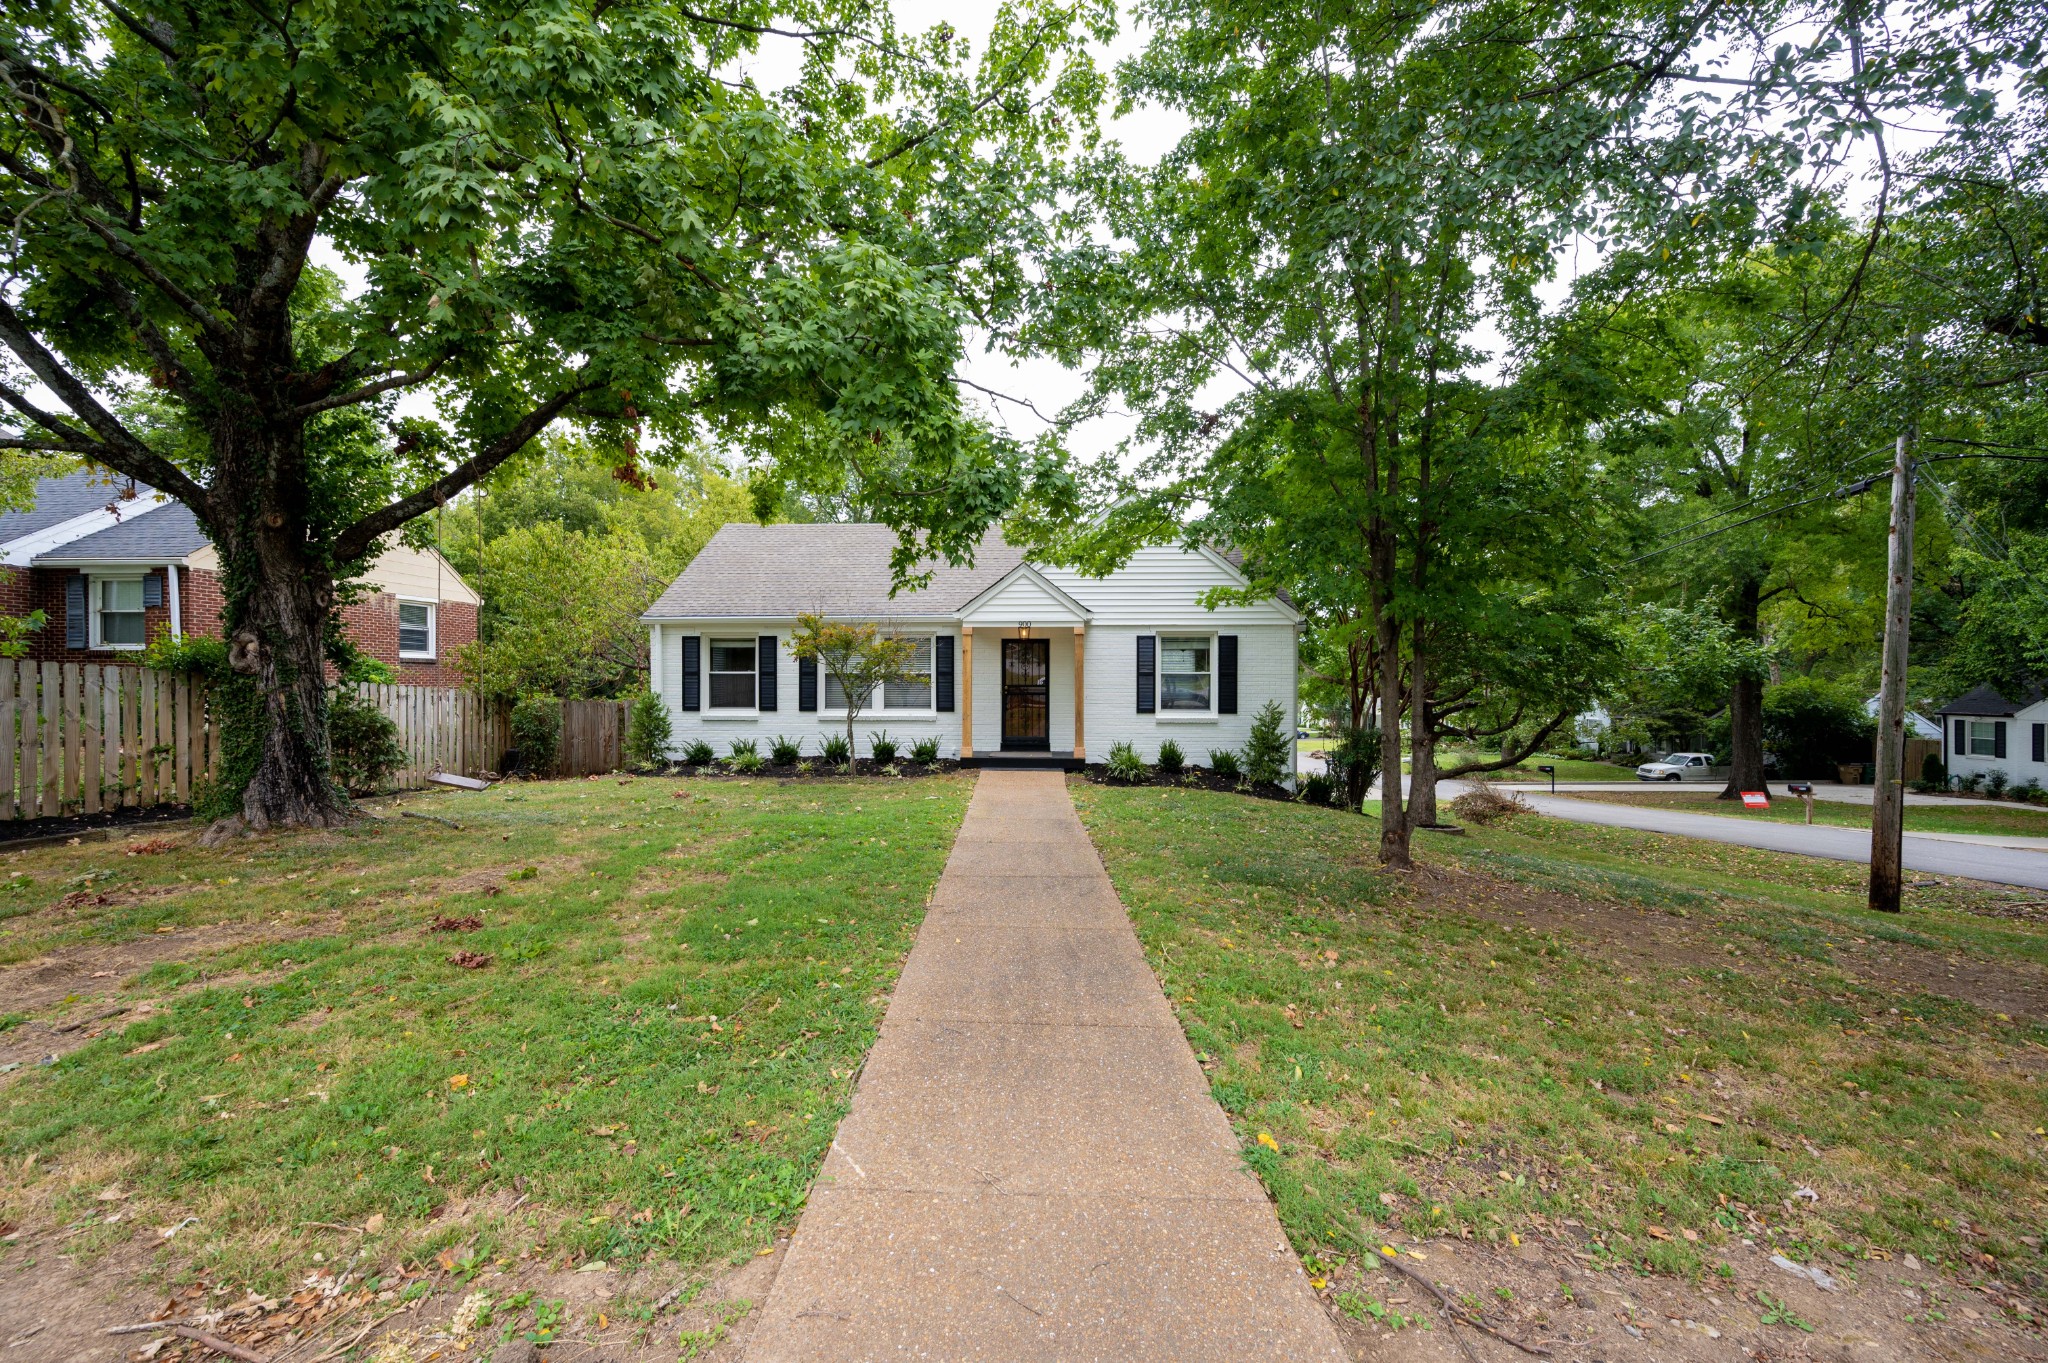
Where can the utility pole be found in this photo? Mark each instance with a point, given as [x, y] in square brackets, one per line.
[1888, 796]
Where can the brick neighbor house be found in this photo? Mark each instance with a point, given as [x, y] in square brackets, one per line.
[112, 564]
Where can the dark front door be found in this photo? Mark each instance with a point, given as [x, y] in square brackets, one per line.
[1027, 664]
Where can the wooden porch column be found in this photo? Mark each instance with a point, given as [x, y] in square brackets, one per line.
[1080, 691]
[966, 691]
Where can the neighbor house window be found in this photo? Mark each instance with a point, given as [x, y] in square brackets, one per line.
[1184, 672]
[1983, 738]
[117, 612]
[734, 670]
[415, 629]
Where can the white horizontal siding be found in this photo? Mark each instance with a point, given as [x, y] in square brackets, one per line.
[812, 728]
[2019, 765]
[1162, 586]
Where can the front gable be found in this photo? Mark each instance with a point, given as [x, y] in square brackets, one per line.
[1024, 596]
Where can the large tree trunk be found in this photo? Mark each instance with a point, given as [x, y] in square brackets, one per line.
[1745, 704]
[277, 619]
[1422, 777]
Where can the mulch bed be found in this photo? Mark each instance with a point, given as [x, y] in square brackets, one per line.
[1192, 778]
[819, 770]
[74, 825]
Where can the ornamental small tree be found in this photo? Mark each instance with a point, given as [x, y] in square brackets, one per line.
[858, 653]
[648, 731]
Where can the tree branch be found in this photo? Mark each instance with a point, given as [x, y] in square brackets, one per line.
[120, 448]
[355, 541]
[369, 390]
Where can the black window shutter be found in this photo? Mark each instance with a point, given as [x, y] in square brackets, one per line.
[1962, 738]
[152, 591]
[806, 683]
[1148, 689]
[1998, 740]
[74, 611]
[1226, 674]
[2041, 742]
[766, 646]
[942, 673]
[693, 680]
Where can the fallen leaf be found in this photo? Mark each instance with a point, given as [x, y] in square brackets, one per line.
[458, 1081]
[374, 1223]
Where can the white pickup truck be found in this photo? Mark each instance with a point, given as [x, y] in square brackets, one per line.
[1682, 766]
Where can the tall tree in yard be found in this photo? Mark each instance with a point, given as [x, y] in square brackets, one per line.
[559, 213]
[1358, 183]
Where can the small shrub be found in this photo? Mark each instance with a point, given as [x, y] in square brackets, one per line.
[1994, 785]
[363, 742]
[1268, 750]
[806, 767]
[1317, 790]
[746, 761]
[1124, 764]
[1928, 787]
[1932, 771]
[785, 752]
[741, 748]
[1224, 762]
[2027, 792]
[648, 730]
[1171, 758]
[536, 732]
[1486, 804]
[892, 770]
[697, 752]
[837, 751]
[925, 750]
[1353, 756]
[1971, 782]
[882, 748]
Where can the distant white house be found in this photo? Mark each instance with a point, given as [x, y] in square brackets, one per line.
[1917, 725]
[1015, 660]
[1988, 732]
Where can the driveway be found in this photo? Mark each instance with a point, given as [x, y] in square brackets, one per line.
[2005, 861]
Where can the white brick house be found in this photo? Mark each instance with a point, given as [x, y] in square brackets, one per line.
[1989, 732]
[1016, 660]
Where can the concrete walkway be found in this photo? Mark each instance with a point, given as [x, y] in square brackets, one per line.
[1033, 1167]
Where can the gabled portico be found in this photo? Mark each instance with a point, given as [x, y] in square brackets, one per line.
[1027, 639]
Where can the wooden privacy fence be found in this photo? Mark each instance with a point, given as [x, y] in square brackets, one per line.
[82, 738]
[442, 728]
[593, 737]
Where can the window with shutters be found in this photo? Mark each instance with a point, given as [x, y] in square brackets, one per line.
[117, 612]
[1186, 672]
[909, 694]
[416, 629]
[1983, 738]
[734, 671]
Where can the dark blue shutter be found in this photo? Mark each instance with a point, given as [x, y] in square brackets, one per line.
[693, 680]
[152, 591]
[807, 683]
[765, 646]
[74, 611]
[2041, 742]
[1962, 738]
[1998, 740]
[942, 673]
[1226, 674]
[1148, 675]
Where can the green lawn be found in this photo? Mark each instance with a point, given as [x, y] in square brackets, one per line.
[683, 979]
[2021, 820]
[1646, 1044]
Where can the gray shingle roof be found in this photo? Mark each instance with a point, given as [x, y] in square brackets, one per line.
[774, 571]
[1986, 700]
[60, 499]
[167, 531]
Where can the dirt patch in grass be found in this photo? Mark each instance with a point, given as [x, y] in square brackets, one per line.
[1549, 1293]
[90, 972]
[1633, 935]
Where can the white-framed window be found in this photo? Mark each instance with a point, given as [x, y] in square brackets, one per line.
[734, 673]
[1187, 672]
[910, 694]
[1983, 738]
[416, 629]
[117, 612]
